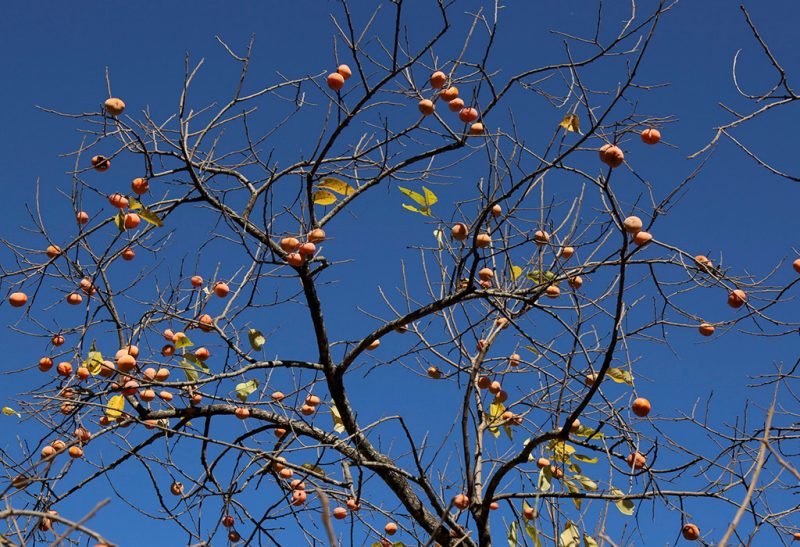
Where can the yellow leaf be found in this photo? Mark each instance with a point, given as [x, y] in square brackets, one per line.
[438, 234]
[183, 342]
[115, 406]
[246, 388]
[620, 376]
[516, 271]
[338, 424]
[424, 211]
[94, 362]
[134, 204]
[419, 198]
[430, 197]
[119, 221]
[571, 123]
[323, 197]
[336, 185]
[151, 217]
[8, 411]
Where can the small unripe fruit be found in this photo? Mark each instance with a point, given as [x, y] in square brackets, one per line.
[553, 292]
[297, 484]
[307, 410]
[575, 282]
[307, 249]
[45, 364]
[162, 374]
[449, 94]
[176, 488]
[540, 237]
[48, 452]
[75, 451]
[82, 217]
[483, 382]
[126, 363]
[460, 501]
[313, 400]
[165, 395]
[168, 350]
[483, 240]
[147, 395]
[567, 252]
[339, 513]
[82, 373]
[128, 254]
[289, 244]
[74, 299]
[317, 235]
[118, 200]
[636, 460]
[352, 504]
[278, 396]
[514, 360]
[295, 259]
[58, 445]
[132, 220]
[541, 463]
[299, 497]
[486, 274]
[468, 115]
[476, 129]
[228, 521]
[83, 435]
[57, 340]
[64, 368]
[101, 163]
[390, 528]
[703, 261]
[495, 387]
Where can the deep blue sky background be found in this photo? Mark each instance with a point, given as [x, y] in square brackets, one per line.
[55, 54]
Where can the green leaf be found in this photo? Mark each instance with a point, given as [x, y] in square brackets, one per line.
[183, 342]
[336, 185]
[587, 483]
[244, 389]
[313, 468]
[533, 534]
[589, 541]
[94, 361]
[585, 459]
[149, 216]
[545, 475]
[338, 424]
[512, 535]
[197, 362]
[571, 123]
[625, 507]
[256, 339]
[119, 221]
[323, 197]
[115, 406]
[189, 370]
[508, 431]
[8, 411]
[516, 271]
[620, 376]
[570, 537]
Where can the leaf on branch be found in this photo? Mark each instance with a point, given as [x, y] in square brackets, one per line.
[545, 474]
[573, 489]
[586, 482]
[244, 389]
[561, 451]
[512, 535]
[571, 123]
[336, 185]
[625, 507]
[189, 370]
[256, 339]
[338, 424]
[323, 197]
[620, 376]
[183, 342]
[149, 216]
[496, 410]
[586, 431]
[516, 271]
[197, 362]
[134, 204]
[570, 537]
[589, 541]
[533, 534]
[425, 201]
[119, 221]
[438, 234]
[115, 406]
[585, 459]
[313, 468]
[425, 211]
[8, 411]
[94, 361]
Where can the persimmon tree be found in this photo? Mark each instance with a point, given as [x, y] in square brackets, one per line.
[238, 403]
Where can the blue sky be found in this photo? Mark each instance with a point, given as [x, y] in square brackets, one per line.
[55, 55]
